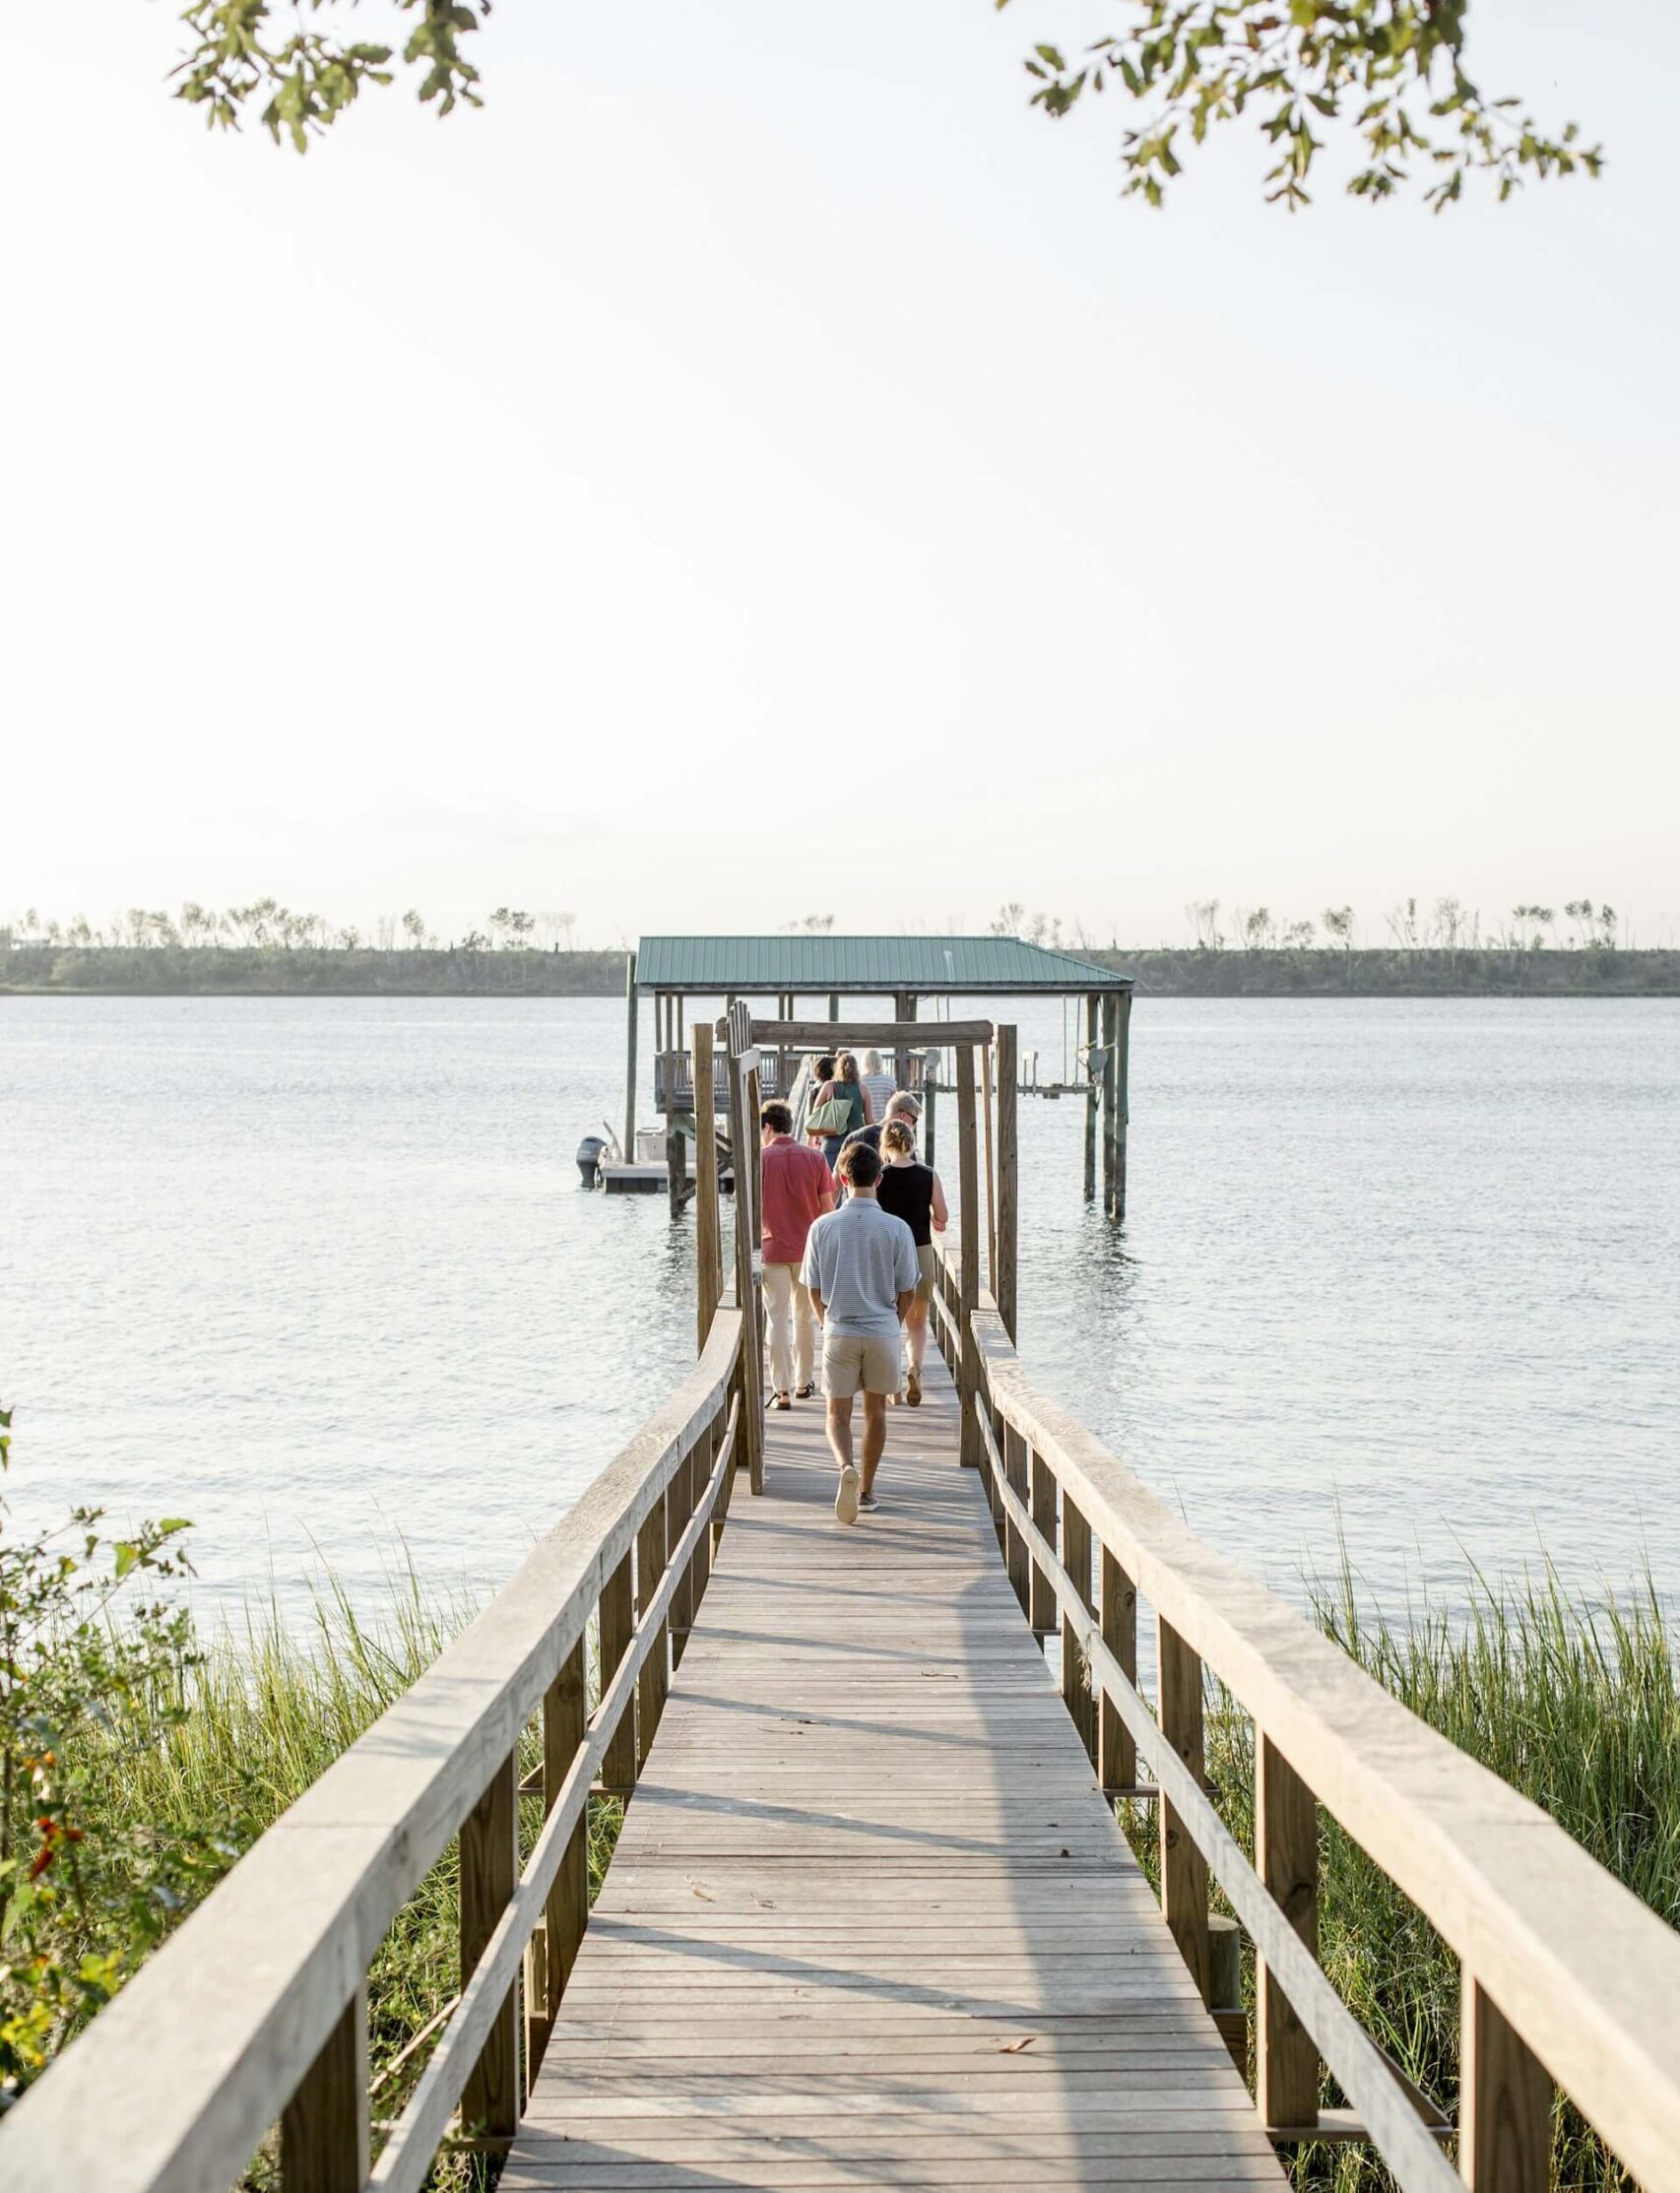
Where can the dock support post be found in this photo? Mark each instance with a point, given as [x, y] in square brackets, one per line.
[903, 1008]
[324, 2130]
[930, 1090]
[489, 1873]
[1090, 1102]
[1111, 1084]
[1286, 1853]
[972, 1449]
[1122, 1100]
[1077, 1693]
[1117, 1761]
[744, 1147]
[675, 1153]
[630, 1058]
[833, 1004]
[991, 1173]
[708, 1231]
[1009, 1177]
[1183, 1869]
[553, 1946]
[1505, 2102]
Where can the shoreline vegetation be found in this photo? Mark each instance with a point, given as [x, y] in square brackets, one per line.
[179, 970]
[1573, 1697]
[266, 950]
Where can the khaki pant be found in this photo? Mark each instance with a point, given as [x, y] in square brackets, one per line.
[792, 1328]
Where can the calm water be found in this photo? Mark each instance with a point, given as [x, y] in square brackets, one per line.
[317, 1274]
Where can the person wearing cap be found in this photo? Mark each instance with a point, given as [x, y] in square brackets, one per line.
[899, 1106]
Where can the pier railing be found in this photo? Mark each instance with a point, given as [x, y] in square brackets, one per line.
[255, 2013]
[1567, 1979]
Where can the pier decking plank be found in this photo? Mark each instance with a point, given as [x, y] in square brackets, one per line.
[870, 1922]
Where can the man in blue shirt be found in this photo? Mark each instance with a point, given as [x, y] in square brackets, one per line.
[861, 1271]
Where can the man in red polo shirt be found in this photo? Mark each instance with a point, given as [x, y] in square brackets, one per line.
[797, 1189]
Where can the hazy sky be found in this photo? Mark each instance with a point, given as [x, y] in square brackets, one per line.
[756, 414]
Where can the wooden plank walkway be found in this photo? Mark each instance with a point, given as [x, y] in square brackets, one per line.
[870, 1922]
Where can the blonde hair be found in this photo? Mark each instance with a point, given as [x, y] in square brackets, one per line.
[872, 1061]
[897, 1136]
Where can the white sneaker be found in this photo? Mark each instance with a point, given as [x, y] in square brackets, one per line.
[846, 1498]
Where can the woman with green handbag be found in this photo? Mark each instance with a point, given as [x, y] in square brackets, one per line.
[839, 1106]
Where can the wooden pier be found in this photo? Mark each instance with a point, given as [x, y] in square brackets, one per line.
[871, 1919]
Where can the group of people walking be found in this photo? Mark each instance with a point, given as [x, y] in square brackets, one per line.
[849, 1220]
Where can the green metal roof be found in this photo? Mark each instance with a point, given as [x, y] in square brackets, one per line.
[928, 965]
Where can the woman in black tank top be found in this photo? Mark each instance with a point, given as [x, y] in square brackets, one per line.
[907, 1191]
[912, 1191]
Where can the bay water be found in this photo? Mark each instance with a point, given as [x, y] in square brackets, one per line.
[317, 1274]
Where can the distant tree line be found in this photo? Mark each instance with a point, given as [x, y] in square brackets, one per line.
[267, 925]
[1444, 924]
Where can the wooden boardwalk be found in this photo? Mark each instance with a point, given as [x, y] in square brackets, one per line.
[869, 1921]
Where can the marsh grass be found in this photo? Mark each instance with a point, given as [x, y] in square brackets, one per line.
[1572, 1699]
[273, 1704]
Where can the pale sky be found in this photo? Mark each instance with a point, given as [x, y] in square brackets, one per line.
[755, 468]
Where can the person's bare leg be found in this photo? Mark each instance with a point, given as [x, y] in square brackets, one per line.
[875, 1437]
[840, 1428]
[916, 1331]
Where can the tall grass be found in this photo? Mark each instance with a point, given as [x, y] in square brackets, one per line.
[1573, 1701]
[271, 1706]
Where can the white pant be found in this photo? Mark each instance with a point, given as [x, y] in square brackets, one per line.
[792, 1328]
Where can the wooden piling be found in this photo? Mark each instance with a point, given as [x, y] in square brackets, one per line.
[930, 1090]
[991, 1173]
[708, 1228]
[1286, 1855]
[972, 1451]
[1122, 1102]
[1183, 1869]
[1091, 1009]
[324, 2130]
[630, 1150]
[903, 1008]
[489, 1873]
[675, 1153]
[1111, 1083]
[1008, 1177]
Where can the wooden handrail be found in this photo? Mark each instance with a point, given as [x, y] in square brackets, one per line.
[175, 2084]
[1562, 1960]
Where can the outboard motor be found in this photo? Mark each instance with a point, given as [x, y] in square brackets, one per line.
[589, 1153]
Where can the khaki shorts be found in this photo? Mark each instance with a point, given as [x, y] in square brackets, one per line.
[851, 1360]
[926, 1257]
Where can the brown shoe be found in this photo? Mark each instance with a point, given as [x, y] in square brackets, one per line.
[912, 1391]
[784, 1401]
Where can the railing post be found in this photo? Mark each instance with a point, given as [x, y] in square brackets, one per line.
[1043, 1605]
[1077, 1693]
[971, 1450]
[1505, 2102]
[653, 1681]
[324, 2128]
[617, 1623]
[1286, 1855]
[1015, 1557]
[489, 1872]
[1117, 1749]
[930, 1090]
[553, 1946]
[679, 1506]
[1183, 1869]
